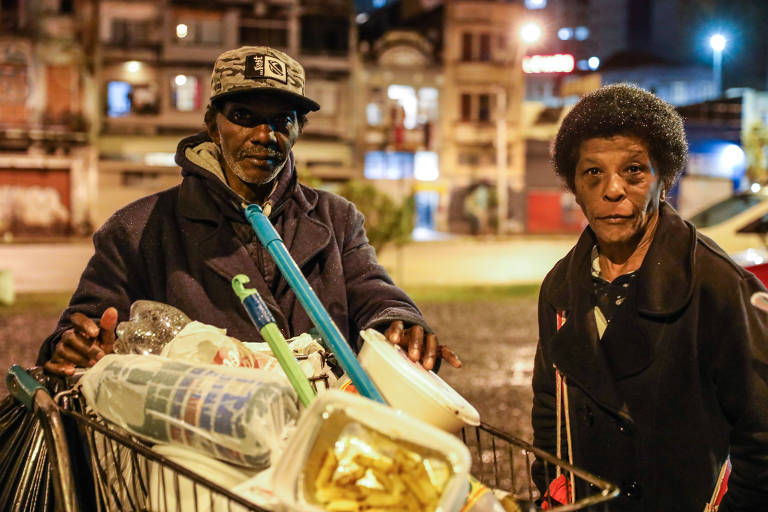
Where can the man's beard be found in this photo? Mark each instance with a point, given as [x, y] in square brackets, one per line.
[235, 165]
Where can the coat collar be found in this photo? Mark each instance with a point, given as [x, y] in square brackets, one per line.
[665, 279]
[664, 286]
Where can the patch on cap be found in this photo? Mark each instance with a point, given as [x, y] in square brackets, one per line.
[263, 66]
[259, 68]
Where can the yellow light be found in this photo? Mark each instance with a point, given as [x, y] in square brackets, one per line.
[182, 31]
[133, 66]
[180, 80]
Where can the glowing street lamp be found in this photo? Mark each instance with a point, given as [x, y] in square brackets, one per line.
[530, 32]
[717, 42]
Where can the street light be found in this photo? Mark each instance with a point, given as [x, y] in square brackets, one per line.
[717, 42]
[529, 33]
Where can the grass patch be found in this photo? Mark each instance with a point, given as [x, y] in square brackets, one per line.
[471, 293]
[36, 303]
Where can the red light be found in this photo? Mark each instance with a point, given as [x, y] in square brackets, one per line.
[559, 63]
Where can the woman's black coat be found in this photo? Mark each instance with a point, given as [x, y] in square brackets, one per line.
[678, 381]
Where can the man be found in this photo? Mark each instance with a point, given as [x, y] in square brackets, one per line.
[182, 246]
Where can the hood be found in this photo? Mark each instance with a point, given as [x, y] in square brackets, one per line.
[199, 157]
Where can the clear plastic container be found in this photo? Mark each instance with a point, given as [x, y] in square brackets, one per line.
[406, 385]
[329, 416]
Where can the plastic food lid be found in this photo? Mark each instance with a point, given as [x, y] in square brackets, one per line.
[424, 382]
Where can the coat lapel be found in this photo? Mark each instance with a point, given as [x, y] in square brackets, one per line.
[214, 243]
[304, 237]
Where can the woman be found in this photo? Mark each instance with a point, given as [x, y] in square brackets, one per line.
[665, 360]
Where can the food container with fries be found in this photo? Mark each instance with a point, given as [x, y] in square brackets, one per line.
[350, 453]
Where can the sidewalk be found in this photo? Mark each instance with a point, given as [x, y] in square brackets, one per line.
[56, 267]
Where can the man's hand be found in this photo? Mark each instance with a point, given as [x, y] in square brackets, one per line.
[420, 348]
[83, 344]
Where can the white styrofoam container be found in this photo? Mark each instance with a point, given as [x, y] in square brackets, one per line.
[406, 385]
[320, 426]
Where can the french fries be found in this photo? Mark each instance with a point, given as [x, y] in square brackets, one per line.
[366, 472]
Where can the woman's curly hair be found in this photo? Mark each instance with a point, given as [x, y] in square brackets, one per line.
[623, 109]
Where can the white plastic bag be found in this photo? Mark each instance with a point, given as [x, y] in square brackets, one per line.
[239, 415]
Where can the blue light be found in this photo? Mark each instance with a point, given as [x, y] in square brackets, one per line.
[581, 33]
[565, 33]
[535, 4]
[593, 63]
[118, 99]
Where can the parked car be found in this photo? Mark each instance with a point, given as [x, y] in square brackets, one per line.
[739, 224]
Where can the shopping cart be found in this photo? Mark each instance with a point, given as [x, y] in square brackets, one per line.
[128, 475]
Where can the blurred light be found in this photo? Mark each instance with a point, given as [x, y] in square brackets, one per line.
[180, 80]
[160, 159]
[373, 114]
[425, 166]
[406, 97]
[581, 33]
[379, 3]
[582, 65]
[565, 33]
[535, 4]
[362, 18]
[755, 188]
[133, 66]
[593, 63]
[530, 32]
[717, 42]
[559, 63]
[182, 30]
[731, 158]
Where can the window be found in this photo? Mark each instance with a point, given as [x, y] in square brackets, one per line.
[324, 35]
[199, 32]
[185, 93]
[129, 31]
[466, 46]
[485, 48]
[124, 98]
[466, 107]
[726, 209]
[268, 36]
[484, 108]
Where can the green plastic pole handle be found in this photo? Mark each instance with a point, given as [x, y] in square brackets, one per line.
[22, 386]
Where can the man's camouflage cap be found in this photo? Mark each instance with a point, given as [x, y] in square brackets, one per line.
[259, 68]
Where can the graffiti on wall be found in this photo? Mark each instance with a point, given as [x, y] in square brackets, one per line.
[32, 210]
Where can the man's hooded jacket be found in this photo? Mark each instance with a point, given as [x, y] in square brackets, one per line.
[184, 245]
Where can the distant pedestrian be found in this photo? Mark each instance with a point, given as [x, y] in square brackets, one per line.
[649, 323]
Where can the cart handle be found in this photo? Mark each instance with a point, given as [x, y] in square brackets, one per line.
[22, 386]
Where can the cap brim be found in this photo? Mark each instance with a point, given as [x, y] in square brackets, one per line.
[302, 102]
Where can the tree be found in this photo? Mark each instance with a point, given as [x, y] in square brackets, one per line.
[385, 221]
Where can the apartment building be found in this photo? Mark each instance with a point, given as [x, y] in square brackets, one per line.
[47, 167]
[155, 66]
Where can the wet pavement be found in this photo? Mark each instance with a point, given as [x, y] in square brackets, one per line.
[495, 339]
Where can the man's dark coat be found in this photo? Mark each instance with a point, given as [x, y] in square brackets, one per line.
[678, 381]
[184, 245]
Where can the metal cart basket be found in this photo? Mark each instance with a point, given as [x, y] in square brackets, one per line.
[128, 475]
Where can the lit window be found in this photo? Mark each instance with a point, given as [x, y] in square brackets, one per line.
[388, 165]
[535, 4]
[565, 33]
[405, 95]
[373, 114]
[425, 166]
[581, 33]
[118, 99]
[185, 93]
